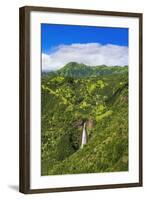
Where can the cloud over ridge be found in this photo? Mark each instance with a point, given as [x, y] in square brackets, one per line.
[91, 54]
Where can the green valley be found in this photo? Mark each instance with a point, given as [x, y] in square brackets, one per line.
[78, 94]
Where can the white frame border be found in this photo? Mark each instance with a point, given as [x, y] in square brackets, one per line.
[40, 182]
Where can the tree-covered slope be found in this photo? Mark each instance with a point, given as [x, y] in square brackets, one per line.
[69, 100]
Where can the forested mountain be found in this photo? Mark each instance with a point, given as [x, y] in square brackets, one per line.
[74, 69]
[76, 94]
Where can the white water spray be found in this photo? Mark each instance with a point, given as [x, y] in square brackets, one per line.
[84, 136]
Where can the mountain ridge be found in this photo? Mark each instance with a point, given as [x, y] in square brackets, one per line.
[74, 69]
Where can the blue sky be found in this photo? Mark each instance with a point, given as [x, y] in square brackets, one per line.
[56, 39]
[54, 35]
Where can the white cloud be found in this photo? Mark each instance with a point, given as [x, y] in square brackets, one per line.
[90, 54]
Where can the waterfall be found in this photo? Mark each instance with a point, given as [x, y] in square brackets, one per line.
[84, 136]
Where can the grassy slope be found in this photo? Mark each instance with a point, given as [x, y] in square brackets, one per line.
[107, 147]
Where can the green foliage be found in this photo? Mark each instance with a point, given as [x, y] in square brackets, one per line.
[106, 114]
[69, 99]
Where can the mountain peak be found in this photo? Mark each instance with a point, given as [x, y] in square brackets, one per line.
[73, 64]
[74, 69]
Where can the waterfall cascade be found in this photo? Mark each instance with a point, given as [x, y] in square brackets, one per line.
[84, 136]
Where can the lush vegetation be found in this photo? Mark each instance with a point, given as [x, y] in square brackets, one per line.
[76, 94]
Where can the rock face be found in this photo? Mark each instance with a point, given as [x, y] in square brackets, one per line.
[84, 136]
[89, 123]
